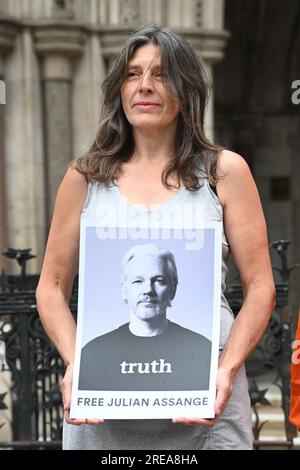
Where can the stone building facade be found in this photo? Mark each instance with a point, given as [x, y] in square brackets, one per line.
[54, 56]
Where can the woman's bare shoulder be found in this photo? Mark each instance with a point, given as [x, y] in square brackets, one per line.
[231, 163]
[234, 177]
[74, 175]
[71, 194]
[74, 183]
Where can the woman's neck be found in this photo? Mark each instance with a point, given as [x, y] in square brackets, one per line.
[153, 146]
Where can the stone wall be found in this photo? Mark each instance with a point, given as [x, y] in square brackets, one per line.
[54, 56]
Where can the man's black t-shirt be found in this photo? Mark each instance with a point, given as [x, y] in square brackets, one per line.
[178, 359]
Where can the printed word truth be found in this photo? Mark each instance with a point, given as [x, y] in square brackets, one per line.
[154, 367]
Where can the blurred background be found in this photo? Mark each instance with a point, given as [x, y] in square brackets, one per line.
[54, 55]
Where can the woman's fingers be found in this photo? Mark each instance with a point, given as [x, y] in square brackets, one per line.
[66, 389]
[195, 421]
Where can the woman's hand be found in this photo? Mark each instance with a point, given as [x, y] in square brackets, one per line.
[224, 389]
[66, 389]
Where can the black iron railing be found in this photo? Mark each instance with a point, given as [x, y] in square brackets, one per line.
[35, 368]
[269, 364]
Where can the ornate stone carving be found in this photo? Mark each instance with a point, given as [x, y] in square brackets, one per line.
[209, 44]
[63, 8]
[8, 31]
[130, 12]
[112, 40]
[62, 38]
[199, 13]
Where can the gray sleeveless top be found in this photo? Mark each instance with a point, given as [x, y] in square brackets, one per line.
[203, 204]
[147, 434]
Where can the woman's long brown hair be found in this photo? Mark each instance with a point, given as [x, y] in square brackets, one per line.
[185, 78]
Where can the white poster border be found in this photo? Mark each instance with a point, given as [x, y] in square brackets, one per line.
[147, 404]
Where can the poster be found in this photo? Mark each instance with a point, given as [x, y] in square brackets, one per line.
[148, 320]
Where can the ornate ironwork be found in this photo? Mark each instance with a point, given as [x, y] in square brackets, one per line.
[269, 364]
[36, 370]
[21, 256]
[36, 367]
[32, 361]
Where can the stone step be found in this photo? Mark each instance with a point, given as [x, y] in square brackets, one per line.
[273, 429]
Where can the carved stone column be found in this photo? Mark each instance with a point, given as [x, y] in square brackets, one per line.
[121, 15]
[8, 30]
[112, 40]
[210, 45]
[58, 44]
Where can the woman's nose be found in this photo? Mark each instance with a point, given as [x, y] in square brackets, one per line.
[146, 83]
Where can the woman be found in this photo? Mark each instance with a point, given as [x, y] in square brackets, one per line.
[151, 150]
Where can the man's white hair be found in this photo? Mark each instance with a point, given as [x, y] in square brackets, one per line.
[152, 250]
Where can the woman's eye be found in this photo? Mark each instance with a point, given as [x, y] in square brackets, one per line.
[132, 74]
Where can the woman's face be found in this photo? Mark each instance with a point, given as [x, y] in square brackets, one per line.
[145, 100]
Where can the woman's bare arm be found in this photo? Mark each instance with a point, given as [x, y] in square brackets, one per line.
[61, 264]
[57, 276]
[246, 232]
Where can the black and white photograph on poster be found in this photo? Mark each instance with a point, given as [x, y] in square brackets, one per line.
[148, 322]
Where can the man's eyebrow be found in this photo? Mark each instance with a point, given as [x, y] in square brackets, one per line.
[158, 276]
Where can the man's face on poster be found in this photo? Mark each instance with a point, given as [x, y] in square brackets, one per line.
[147, 286]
